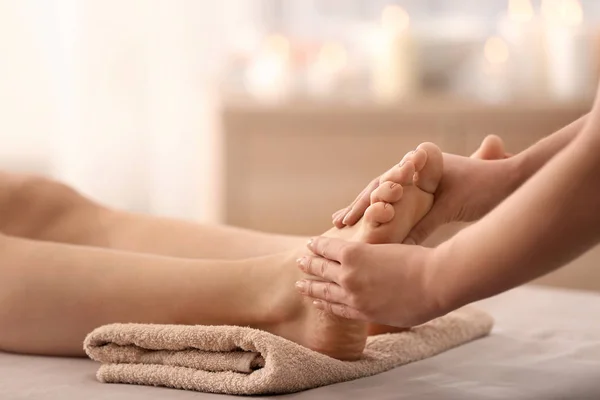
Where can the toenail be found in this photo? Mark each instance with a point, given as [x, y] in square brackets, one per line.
[301, 286]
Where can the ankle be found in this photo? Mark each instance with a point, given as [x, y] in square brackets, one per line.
[280, 302]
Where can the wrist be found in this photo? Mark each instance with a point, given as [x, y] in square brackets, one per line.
[436, 290]
[442, 288]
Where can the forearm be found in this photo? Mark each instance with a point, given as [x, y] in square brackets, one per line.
[547, 222]
[529, 161]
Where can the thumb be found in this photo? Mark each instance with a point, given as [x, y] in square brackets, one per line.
[425, 227]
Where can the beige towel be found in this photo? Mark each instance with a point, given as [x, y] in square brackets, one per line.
[238, 360]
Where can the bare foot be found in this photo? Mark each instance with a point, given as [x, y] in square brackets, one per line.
[403, 198]
[295, 318]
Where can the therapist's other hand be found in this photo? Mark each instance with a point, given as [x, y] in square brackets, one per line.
[389, 284]
[470, 187]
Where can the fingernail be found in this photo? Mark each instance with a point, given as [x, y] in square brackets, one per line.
[319, 304]
[301, 286]
[309, 243]
[302, 263]
[401, 164]
[393, 185]
[344, 221]
[409, 241]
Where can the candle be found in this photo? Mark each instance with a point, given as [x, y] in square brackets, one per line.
[569, 48]
[524, 35]
[494, 70]
[394, 74]
[326, 71]
[268, 78]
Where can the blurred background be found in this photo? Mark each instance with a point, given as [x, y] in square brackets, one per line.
[271, 114]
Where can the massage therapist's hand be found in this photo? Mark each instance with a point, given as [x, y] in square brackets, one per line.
[390, 284]
[470, 187]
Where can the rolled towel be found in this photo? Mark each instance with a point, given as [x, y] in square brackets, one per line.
[246, 361]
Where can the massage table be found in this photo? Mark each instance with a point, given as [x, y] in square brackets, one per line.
[545, 345]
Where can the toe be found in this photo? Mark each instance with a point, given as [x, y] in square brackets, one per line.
[401, 173]
[428, 178]
[388, 192]
[379, 213]
[418, 157]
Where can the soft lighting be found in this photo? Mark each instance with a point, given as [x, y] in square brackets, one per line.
[277, 44]
[394, 19]
[332, 56]
[520, 10]
[265, 72]
[496, 50]
[563, 12]
[267, 76]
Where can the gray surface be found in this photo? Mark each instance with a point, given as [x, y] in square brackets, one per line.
[546, 345]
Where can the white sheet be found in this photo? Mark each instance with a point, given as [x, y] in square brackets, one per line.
[546, 345]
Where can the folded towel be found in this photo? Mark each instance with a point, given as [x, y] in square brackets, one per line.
[238, 360]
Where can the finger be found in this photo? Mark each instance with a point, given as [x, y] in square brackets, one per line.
[425, 227]
[338, 221]
[491, 148]
[338, 212]
[338, 216]
[330, 248]
[327, 291]
[321, 267]
[360, 206]
[356, 199]
[341, 310]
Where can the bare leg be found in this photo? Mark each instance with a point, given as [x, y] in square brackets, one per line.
[52, 295]
[43, 209]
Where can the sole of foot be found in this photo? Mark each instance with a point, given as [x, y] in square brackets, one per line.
[403, 197]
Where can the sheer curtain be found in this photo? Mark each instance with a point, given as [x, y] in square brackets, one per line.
[118, 98]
